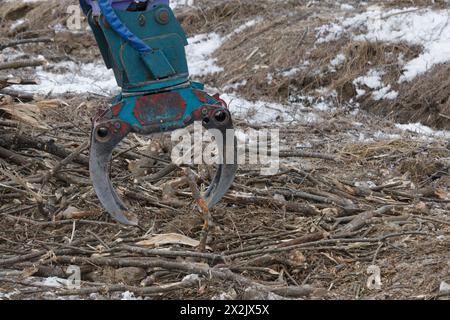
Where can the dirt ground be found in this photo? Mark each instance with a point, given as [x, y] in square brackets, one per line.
[355, 197]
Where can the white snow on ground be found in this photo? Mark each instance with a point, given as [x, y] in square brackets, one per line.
[267, 112]
[191, 277]
[95, 78]
[373, 81]
[53, 282]
[424, 130]
[179, 3]
[426, 27]
[79, 78]
[18, 23]
[347, 7]
[10, 54]
[385, 93]
[386, 136]
[199, 52]
[202, 46]
[338, 60]
[127, 295]
[316, 103]
[235, 85]
[246, 25]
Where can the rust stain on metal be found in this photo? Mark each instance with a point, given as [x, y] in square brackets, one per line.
[159, 108]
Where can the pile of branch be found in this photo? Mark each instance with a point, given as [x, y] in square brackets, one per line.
[258, 262]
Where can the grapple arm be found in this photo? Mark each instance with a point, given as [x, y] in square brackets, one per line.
[160, 112]
[146, 51]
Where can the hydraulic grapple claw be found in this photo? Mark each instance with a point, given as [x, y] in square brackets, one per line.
[143, 43]
[144, 115]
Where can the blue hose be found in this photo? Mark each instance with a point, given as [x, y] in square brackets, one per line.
[119, 27]
[84, 6]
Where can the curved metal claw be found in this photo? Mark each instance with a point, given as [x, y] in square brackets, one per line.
[103, 142]
[109, 131]
[227, 167]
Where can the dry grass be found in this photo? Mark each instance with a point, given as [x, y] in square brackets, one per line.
[405, 157]
[271, 47]
[291, 43]
[361, 151]
[41, 19]
[217, 16]
[39, 15]
[361, 57]
[426, 99]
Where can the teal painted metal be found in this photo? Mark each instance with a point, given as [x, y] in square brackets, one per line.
[173, 114]
[146, 51]
[164, 67]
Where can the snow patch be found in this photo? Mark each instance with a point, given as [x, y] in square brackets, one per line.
[424, 130]
[426, 27]
[7, 295]
[191, 277]
[245, 26]
[347, 7]
[18, 23]
[181, 3]
[385, 93]
[373, 81]
[11, 54]
[127, 295]
[76, 78]
[386, 136]
[267, 112]
[202, 46]
[235, 85]
[199, 52]
[292, 72]
[429, 28]
[338, 60]
[96, 78]
[53, 282]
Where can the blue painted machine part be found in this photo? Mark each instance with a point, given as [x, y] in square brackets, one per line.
[164, 111]
[137, 70]
[146, 51]
[145, 46]
[120, 28]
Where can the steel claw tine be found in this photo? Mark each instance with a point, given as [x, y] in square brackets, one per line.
[226, 170]
[103, 141]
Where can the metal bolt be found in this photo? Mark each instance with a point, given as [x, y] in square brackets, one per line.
[141, 20]
[162, 16]
[102, 132]
[220, 116]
